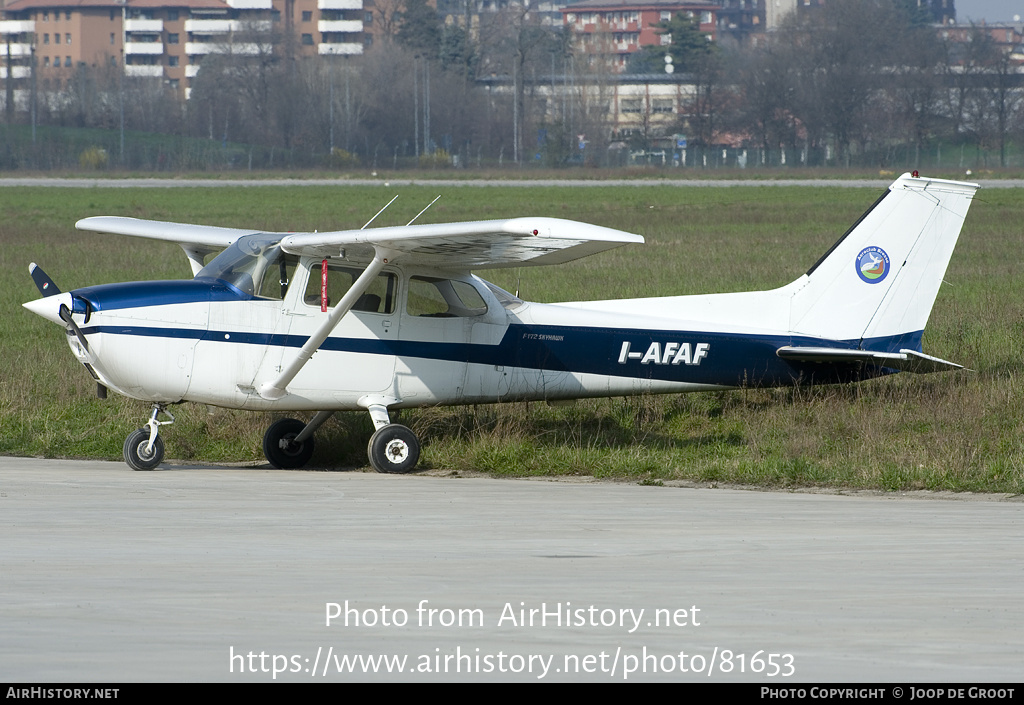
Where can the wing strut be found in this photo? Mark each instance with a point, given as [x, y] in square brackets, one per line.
[277, 389]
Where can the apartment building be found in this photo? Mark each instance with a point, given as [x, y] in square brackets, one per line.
[169, 39]
[618, 28]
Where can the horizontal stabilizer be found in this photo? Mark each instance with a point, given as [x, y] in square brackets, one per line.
[904, 360]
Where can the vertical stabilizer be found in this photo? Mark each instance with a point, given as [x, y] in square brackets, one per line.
[878, 283]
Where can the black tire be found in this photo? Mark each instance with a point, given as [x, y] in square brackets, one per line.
[393, 449]
[280, 449]
[135, 453]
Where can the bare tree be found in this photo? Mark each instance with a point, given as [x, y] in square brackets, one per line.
[837, 56]
[387, 17]
[766, 87]
[1003, 101]
[914, 84]
[517, 45]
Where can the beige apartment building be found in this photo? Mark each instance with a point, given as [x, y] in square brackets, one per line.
[169, 40]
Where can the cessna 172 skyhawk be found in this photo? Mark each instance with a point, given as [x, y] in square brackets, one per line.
[391, 317]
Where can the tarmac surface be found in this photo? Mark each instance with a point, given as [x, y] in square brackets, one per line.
[213, 573]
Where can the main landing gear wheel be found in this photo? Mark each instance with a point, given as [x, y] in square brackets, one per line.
[137, 452]
[393, 449]
[280, 448]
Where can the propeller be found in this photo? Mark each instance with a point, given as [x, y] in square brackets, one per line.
[47, 288]
[43, 282]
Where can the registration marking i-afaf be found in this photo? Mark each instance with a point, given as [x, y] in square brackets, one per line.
[672, 354]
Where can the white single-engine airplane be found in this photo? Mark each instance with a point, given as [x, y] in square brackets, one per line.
[391, 318]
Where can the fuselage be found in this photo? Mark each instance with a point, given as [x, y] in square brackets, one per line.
[416, 343]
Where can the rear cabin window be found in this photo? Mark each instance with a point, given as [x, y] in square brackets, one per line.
[443, 298]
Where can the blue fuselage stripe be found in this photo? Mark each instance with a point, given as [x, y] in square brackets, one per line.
[730, 359]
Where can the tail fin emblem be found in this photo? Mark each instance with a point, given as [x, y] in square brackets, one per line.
[872, 264]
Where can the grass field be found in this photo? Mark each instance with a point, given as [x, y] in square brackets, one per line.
[952, 431]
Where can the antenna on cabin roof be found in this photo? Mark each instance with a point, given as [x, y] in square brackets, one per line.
[379, 212]
[424, 210]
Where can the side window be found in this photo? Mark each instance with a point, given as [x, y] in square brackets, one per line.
[379, 298]
[443, 298]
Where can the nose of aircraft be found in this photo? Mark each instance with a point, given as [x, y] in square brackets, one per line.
[49, 307]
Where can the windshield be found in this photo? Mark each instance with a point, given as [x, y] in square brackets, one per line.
[245, 262]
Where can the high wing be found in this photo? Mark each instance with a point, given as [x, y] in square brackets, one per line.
[196, 240]
[481, 244]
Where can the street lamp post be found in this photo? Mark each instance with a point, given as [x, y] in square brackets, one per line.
[123, 68]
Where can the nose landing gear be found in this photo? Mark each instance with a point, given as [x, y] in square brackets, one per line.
[143, 448]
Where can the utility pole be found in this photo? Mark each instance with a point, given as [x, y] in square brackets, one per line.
[123, 68]
[9, 85]
[416, 103]
[32, 87]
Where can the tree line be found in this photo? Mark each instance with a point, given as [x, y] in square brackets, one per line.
[856, 83]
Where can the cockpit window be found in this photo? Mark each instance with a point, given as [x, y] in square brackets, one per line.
[255, 265]
[443, 298]
[277, 275]
[379, 297]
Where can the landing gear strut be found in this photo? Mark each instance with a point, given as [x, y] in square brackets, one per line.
[393, 448]
[143, 448]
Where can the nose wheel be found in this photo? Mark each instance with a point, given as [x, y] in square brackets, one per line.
[143, 448]
[139, 453]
